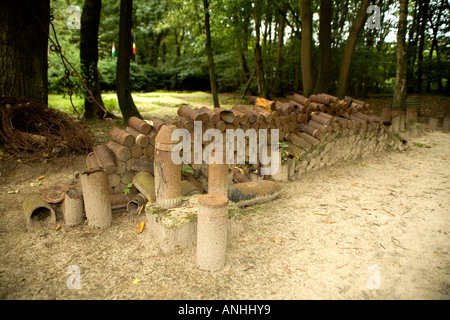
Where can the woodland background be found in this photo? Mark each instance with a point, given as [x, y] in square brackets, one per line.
[170, 46]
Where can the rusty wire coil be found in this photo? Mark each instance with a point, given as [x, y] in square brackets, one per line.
[33, 130]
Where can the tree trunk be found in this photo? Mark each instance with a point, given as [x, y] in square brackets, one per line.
[262, 90]
[398, 102]
[23, 49]
[306, 58]
[126, 103]
[364, 68]
[155, 45]
[209, 53]
[90, 21]
[323, 77]
[341, 8]
[423, 15]
[413, 39]
[350, 46]
[279, 85]
[242, 44]
[435, 46]
[178, 42]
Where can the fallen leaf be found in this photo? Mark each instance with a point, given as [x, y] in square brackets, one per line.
[328, 221]
[363, 164]
[354, 184]
[277, 240]
[244, 219]
[287, 270]
[140, 210]
[399, 264]
[136, 281]
[41, 177]
[58, 226]
[415, 175]
[140, 227]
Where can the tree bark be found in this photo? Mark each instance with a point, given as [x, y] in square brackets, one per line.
[350, 46]
[209, 53]
[90, 21]
[126, 103]
[398, 102]
[306, 57]
[324, 73]
[23, 49]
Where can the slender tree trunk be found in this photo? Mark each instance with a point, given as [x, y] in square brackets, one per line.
[209, 53]
[156, 44]
[306, 58]
[364, 69]
[242, 45]
[297, 57]
[126, 103]
[350, 46]
[262, 90]
[398, 102]
[323, 77]
[413, 39]
[178, 42]
[279, 84]
[90, 21]
[343, 10]
[423, 24]
[23, 49]
[435, 46]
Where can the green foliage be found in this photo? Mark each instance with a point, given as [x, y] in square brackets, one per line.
[283, 151]
[170, 41]
[127, 190]
[187, 169]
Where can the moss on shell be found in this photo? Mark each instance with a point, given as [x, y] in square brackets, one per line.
[186, 213]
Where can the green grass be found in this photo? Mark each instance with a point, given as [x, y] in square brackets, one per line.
[161, 104]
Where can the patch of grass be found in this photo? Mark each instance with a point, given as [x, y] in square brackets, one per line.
[59, 102]
[161, 104]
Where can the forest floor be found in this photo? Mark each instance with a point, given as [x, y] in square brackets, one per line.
[375, 231]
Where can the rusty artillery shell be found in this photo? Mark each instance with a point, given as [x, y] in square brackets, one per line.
[121, 137]
[167, 173]
[139, 125]
[96, 198]
[212, 231]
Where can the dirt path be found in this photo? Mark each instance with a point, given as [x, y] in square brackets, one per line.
[378, 231]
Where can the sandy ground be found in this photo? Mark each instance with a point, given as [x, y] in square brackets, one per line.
[378, 231]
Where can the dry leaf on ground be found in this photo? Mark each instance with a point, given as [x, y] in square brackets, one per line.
[140, 227]
[277, 240]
